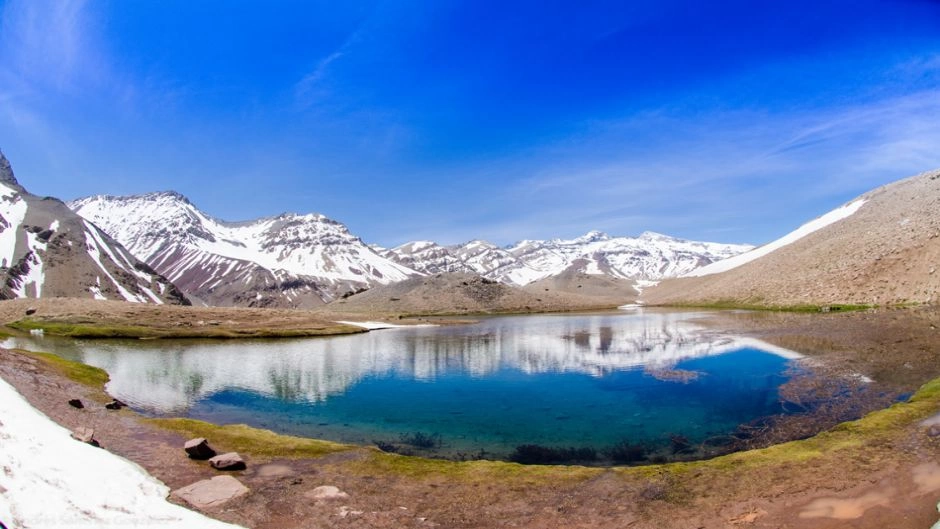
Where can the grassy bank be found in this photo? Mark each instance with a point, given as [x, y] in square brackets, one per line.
[94, 330]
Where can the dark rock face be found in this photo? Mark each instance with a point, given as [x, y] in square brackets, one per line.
[199, 448]
[115, 405]
[6, 171]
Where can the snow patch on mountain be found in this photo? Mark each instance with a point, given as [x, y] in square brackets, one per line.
[649, 257]
[797, 234]
[46, 250]
[288, 260]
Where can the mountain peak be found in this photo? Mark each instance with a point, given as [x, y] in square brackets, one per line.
[592, 236]
[6, 171]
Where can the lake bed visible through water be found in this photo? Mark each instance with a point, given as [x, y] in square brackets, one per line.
[592, 382]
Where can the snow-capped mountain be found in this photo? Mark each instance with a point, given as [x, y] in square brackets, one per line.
[46, 250]
[651, 256]
[285, 261]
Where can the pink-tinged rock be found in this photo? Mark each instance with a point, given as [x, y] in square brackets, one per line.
[326, 492]
[85, 435]
[199, 448]
[229, 461]
[212, 492]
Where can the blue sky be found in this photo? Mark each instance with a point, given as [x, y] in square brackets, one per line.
[730, 121]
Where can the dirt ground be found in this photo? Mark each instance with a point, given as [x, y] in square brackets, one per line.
[844, 479]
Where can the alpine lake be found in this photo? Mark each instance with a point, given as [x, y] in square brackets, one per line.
[628, 386]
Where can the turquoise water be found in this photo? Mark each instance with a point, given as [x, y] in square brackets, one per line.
[591, 380]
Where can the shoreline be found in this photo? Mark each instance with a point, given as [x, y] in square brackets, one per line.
[850, 461]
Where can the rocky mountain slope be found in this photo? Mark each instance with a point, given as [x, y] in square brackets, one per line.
[46, 250]
[650, 256]
[881, 248]
[460, 293]
[290, 260]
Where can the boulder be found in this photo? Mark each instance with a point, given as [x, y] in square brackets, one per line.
[115, 405]
[30, 311]
[326, 492]
[199, 448]
[211, 492]
[229, 461]
[85, 435]
[76, 403]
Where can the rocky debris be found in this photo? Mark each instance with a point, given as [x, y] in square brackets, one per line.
[345, 511]
[228, 461]
[115, 405]
[211, 492]
[326, 493]
[748, 517]
[199, 448]
[85, 435]
[76, 403]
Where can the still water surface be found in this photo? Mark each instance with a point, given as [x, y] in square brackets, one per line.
[558, 380]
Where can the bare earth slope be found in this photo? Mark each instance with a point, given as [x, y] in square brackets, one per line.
[887, 252]
[459, 293]
[576, 285]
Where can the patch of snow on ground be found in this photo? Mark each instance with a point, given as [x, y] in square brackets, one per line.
[641, 284]
[804, 230]
[52, 481]
[375, 325]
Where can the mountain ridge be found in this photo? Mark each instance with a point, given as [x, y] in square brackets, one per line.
[881, 248]
[46, 250]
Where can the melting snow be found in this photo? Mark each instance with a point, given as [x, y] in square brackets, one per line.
[804, 230]
[375, 325]
[52, 481]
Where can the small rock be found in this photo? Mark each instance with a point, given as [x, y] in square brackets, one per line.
[85, 435]
[115, 405]
[76, 403]
[345, 511]
[748, 517]
[228, 461]
[199, 448]
[30, 311]
[934, 430]
[211, 492]
[326, 492]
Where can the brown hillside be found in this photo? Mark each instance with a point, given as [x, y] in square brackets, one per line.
[459, 293]
[888, 252]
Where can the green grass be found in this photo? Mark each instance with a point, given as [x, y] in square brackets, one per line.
[254, 441]
[90, 330]
[77, 371]
[472, 471]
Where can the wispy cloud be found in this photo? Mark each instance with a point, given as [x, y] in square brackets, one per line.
[762, 172]
[310, 88]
